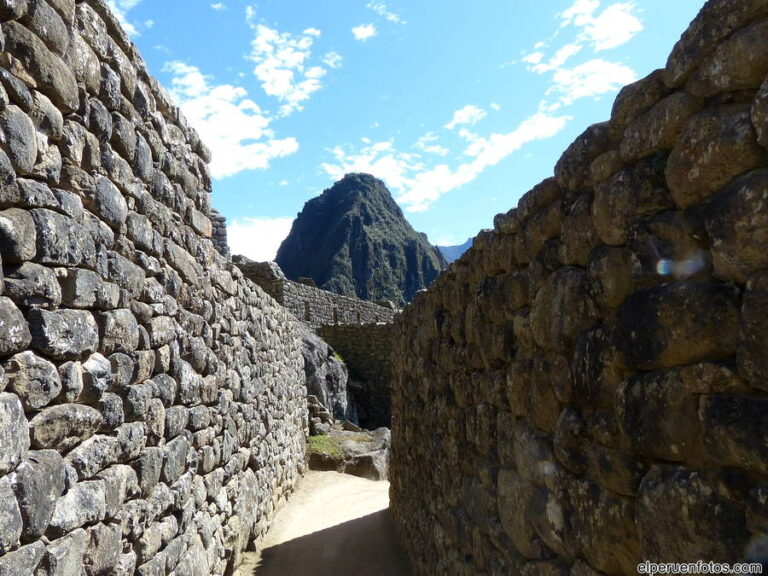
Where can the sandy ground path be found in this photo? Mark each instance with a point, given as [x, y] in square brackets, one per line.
[334, 524]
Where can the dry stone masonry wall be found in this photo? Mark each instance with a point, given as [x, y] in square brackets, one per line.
[152, 401]
[313, 306]
[587, 388]
[367, 351]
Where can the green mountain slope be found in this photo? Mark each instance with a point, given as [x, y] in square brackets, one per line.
[354, 240]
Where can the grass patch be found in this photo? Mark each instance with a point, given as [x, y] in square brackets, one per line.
[324, 445]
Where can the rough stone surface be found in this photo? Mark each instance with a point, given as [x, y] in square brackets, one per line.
[14, 433]
[585, 388]
[135, 359]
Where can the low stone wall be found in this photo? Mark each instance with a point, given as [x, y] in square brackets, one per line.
[311, 305]
[585, 389]
[152, 401]
[367, 352]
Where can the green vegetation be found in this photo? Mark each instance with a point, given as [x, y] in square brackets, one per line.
[324, 445]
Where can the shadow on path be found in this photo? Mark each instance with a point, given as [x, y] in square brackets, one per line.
[364, 546]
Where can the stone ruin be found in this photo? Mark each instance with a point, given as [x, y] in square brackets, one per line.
[152, 401]
[587, 388]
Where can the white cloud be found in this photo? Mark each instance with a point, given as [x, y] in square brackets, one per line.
[537, 64]
[219, 6]
[257, 238]
[418, 185]
[332, 59]
[120, 9]
[469, 115]
[382, 10]
[615, 25]
[427, 143]
[229, 122]
[598, 29]
[282, 64]
[496, 107]
[364, 31]
[591, 79]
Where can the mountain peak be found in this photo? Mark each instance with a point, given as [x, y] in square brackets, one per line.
[354, 240]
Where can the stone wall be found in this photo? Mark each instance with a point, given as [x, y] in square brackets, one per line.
[219, 232]
[152, 401]
[314, 306]
[587, 388]
[367, 351]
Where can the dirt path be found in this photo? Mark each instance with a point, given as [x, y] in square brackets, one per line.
[334, 525]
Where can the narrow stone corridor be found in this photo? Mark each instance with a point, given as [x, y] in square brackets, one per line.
[333, 524]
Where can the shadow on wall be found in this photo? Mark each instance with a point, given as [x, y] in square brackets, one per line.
[365, 545]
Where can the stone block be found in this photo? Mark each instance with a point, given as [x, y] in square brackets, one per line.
[17, 236]
[61, 240]
[119, 331]
[22, 561]
[63, 427]
[82, 288]
[515, 501]
[657, 130]
[739, 63]
[14, 331]
[714, 23]
[627, 196]
[716, 145]
[10, 517]
[737, 223]
[38, 482]
[677, 323]
[14, 433]
[569, 170]
[84, 503]
[659, 416]
[51, 75]
[731, 431]
[562, 309]
[120, 484]
[33, 379]
[64, 557]
[32, 285]
[683, 514]
[103, 549]
[94, 455]
[64, 334]
[752, 352]
[19, 141]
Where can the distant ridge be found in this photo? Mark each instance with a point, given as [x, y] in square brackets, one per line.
[354, 240]
[453, 253]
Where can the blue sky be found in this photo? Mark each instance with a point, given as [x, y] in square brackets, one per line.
[460, 107]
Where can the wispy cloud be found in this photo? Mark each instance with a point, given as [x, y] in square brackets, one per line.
[417, 183]
[283, 64]
[332, 59]
[428, 144]
[590, 79]
[257, 238]
[230, 123]
[467, 116]
[120, 9]
[219, 6]
[364, 31]
[613, 26]
[383, 10]
[597, 30]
